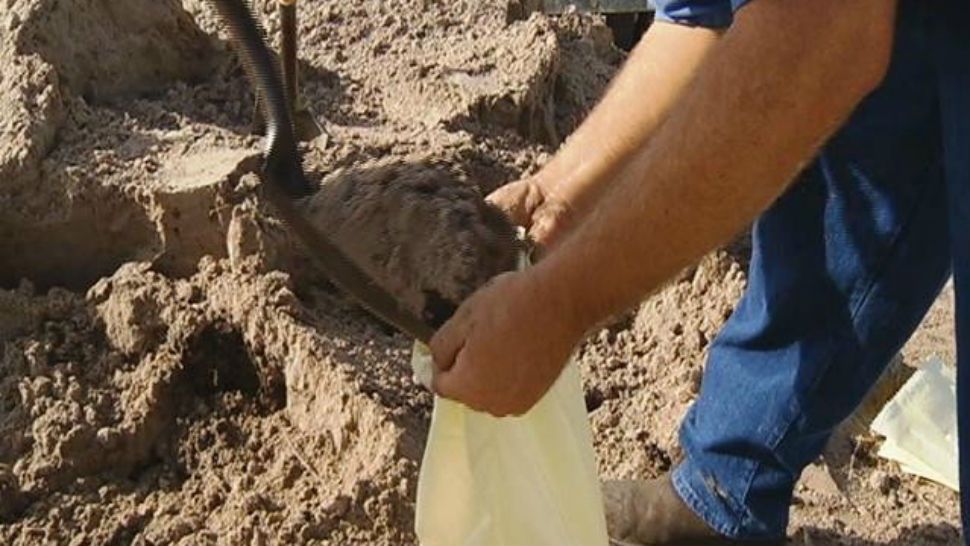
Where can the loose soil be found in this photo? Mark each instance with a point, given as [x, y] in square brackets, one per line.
[174, 372]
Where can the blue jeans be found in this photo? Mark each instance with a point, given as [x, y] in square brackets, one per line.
[844, 266]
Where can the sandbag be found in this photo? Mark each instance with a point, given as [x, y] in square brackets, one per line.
[515, 481]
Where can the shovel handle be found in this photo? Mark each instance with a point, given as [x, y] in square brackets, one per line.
[289, 46]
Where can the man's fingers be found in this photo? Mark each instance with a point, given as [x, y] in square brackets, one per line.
[448, 341]
[447, 384]
[511, 201]
[458, 384]
[542, 232]
[518, 200]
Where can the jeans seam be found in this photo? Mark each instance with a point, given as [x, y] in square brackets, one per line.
[697, 505]
[893, 248]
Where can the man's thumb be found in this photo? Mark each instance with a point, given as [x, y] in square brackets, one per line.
[518, 201]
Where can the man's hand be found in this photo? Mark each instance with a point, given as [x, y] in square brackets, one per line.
[504, 347]
[507, 343]
[553, 202]
[534, 206]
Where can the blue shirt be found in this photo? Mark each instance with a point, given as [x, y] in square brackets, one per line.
[699, 13]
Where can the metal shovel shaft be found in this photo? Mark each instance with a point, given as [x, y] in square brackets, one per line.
[289, 46]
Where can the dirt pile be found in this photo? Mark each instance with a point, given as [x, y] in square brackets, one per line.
[98, 50]
[183, 388]
[171, 374]
[121, 405]
[102, 51]
[658, 348]
[57, 58]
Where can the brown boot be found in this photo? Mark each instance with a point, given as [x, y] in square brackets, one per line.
[651, 513]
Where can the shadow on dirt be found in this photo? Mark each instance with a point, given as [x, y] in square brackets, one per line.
[937, 533]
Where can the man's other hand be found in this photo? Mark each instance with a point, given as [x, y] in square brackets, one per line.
[531, 204]
[504, 347]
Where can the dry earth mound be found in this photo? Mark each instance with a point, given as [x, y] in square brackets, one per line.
[169, 373]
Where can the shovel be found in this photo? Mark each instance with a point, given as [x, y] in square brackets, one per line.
[283, 179]
[305, 125]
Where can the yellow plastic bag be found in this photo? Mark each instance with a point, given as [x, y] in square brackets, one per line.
[920, 425]
[514, 481]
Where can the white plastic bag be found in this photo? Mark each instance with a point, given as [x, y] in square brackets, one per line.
[514, 481]
[920, 425]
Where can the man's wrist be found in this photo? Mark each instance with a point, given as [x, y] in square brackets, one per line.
[552, 292]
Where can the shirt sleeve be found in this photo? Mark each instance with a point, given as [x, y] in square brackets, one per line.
[698, 13]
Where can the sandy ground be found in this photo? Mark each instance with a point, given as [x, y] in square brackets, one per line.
[173, 373]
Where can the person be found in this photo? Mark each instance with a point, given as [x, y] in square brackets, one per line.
[841, 129]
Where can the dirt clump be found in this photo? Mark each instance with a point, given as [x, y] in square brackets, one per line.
[419, 230]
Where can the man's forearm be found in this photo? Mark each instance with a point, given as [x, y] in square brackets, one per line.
[779, 82]
[651, 80]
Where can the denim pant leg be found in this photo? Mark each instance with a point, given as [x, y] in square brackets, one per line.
[952, 39]
[844, 266]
